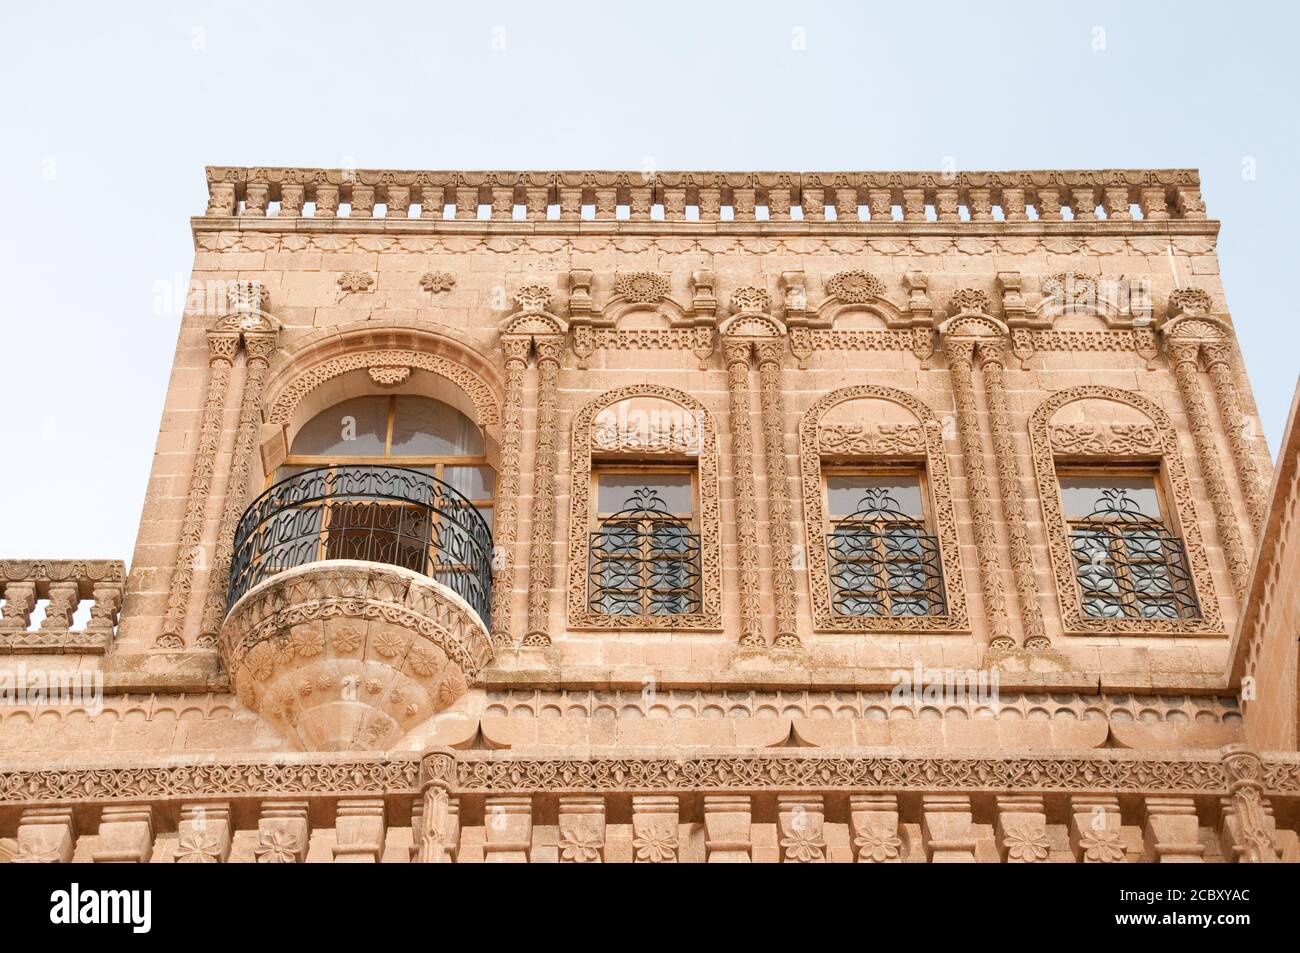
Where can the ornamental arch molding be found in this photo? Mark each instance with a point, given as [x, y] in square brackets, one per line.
[584, 448]
[921, 440]
[1155, 442]
[322, 358]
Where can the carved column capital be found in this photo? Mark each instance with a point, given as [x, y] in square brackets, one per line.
[222, 346]
[259, 346]
[769, 352]
[991, 353]
[517, 349]
[736, 351]
[1184, 353]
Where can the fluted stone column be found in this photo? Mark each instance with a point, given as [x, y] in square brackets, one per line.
[258, 347]
[736, 354]
[540, 557]
[505, 520]
[1252, 474]
[1011, 486]
[977, 491]
[221, 357]
[1184, 358]
[778, 490]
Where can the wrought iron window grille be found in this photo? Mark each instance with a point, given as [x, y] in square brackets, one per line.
[883, 562]
[1129, 565]
[644, 561]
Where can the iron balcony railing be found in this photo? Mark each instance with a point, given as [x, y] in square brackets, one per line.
[380, 514]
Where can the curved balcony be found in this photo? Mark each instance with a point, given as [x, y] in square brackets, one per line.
[359, 604]
[375, 514]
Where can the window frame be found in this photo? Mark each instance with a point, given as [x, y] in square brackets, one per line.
[586, 456]
[930, 458]
[437, 462]
[1168, 518]
[598, 518]
[900, 470]
[1161, 452]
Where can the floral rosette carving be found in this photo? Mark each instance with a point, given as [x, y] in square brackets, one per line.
[437, 281]
[855, 287]
[641, 287]
[356, 282]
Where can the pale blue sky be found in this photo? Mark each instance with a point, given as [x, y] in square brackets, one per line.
[110, 115]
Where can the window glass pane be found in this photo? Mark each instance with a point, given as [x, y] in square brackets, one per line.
[474, 483]
[1084, 495]
[617, 491]
[430, 428]
[848, 494]
[354, 428]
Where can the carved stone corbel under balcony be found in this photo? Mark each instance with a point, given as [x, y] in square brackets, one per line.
[351, 655]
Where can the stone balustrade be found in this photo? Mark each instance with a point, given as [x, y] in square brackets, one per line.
[709, 198]
[65, 583]
[742, 805]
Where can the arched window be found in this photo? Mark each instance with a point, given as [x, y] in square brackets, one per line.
[402, 430]
[1120, 516]
[882, 538]
[402, 480]
[644, 548]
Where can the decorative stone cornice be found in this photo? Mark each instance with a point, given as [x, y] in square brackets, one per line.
[828, 769]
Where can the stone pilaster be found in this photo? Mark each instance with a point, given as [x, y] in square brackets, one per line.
[778, 490]
[1184, 358]
[283, 833]
[1021, 829]
[873, 826]
[505, 518]
[582, 829]
[946, 825]
[221, 357]
[125, 835]
[507, 829]
[801, 822]
[991, 355]
[977, 491]
[744, 492]
[258, 348]
[1096, 830]
[437, 830]
[1247, 830]
[1253, 475]
[540, 555]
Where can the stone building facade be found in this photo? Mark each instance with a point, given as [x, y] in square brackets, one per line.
[692, 517]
